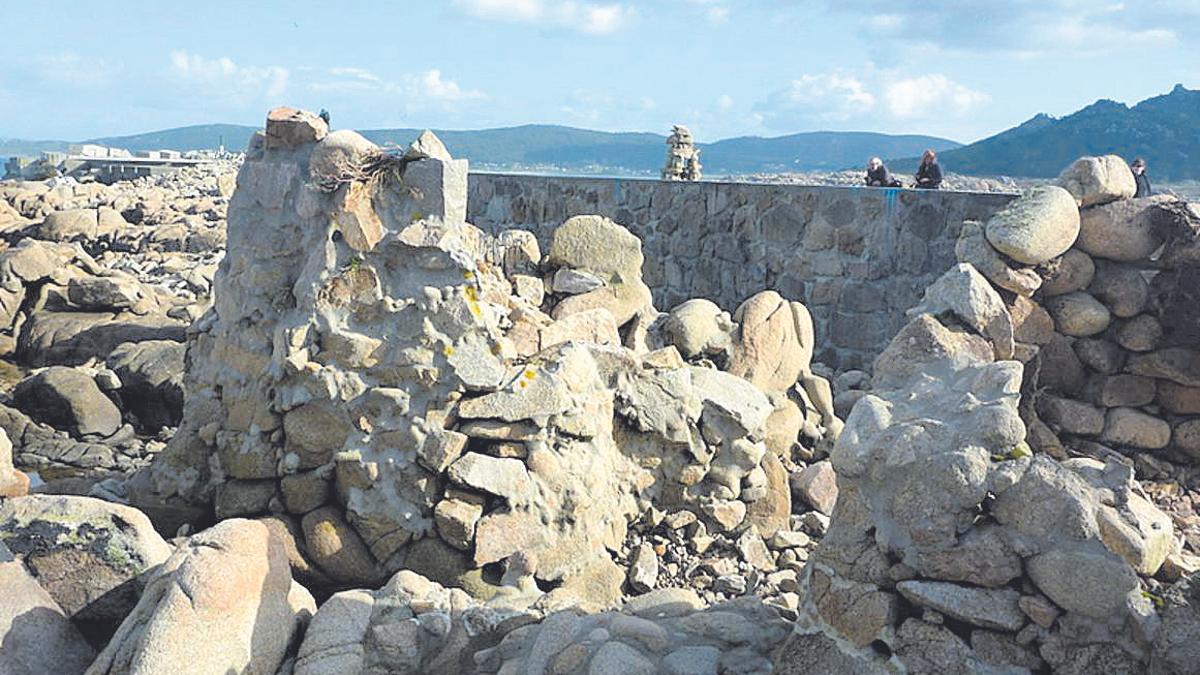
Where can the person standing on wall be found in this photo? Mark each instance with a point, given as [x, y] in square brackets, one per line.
[1139, 176]
[929, 174]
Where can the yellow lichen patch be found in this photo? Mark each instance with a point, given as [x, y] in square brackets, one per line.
[529, 374]
[448, 351]
[472, 295]
[468, 275]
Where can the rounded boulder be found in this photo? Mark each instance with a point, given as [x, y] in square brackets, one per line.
[1037, 227]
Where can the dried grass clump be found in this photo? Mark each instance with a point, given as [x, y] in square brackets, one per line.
[373, 169]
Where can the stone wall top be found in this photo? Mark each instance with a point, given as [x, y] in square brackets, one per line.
[857, 256]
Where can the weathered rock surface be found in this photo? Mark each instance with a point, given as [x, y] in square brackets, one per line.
[1040, 225]
[35, 634]
[224, 602]
[1098, 180]
[1125, 230]
[68, 399]
[91, 556]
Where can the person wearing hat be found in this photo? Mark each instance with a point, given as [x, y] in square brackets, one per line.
[1139, 176]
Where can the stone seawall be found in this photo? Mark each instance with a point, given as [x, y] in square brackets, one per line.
[857, 257]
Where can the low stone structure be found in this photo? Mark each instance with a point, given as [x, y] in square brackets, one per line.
[856, 257]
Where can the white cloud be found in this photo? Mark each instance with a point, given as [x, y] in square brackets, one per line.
[596, 18]
[867, 98]
[835, 96]
[937, 94]
[224, 75]
[71, 69]
[725, 102]
[429, 86]
[433, 86]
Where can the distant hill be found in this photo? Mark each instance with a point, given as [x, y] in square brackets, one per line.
[812, 151]
[543, 146]
[1165, 130]
[198, 137]
[12, 147]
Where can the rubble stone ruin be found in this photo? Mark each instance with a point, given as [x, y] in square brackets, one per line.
[411, 446]
[422, 396]
[683, 157]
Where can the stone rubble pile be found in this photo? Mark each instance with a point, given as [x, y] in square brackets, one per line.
[955, 546]
[394, 390]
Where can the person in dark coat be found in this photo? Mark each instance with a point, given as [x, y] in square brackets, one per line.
[1139, 176]
[929, 174]
[878, 174]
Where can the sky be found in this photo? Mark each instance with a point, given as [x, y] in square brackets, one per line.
[960, 69]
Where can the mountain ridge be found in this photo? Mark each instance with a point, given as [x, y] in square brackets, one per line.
[564, 147]
[1163, 129]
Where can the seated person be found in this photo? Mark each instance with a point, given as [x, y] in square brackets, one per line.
[878, 174]
[929, 174]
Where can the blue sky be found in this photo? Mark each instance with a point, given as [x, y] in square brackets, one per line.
[963, 69]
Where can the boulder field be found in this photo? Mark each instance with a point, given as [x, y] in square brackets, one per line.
[369, 437]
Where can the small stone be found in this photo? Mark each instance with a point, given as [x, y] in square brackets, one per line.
[814, 522]
[1131, 427]
[1078, 314]
[725, 514]
[679, 519]
[1039, 609]
[1100, 355]
[1178, 399]
[574, 282]
[730, 584]
[1122, 390]
[287, 127]
[789, 539]
[984, 607]
[617, 658]
[1070, 416]
[440, 449]
[506, 478]
[336, 548]
[1074, 272]
[1142, 333]
[701, 660]
[1178, 566]
[754, 551]
[456, 520]
[664, 602]
[643, 569]
[816, 485]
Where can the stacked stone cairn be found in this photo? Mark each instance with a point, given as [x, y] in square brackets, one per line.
[683, 157]
[988, 519]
